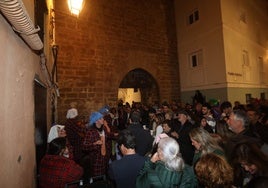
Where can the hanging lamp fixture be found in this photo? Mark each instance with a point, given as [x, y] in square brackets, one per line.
[75, 6]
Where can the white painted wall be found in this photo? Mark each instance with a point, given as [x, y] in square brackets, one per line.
[205, 35]
[222, 36]
[250, 36]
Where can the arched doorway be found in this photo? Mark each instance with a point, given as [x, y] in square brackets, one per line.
[139, 86]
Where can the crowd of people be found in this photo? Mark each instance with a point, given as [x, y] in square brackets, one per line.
[161, 145]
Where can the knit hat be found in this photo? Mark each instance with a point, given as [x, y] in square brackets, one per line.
[104, 110]
[95, 116]
[71, 113]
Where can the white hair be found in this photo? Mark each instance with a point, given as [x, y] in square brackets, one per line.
[171, 154]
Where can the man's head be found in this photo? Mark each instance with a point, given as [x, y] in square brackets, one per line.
[253, 115]
[152, 113]
[226, 107]
[135, 117]
[182, 116]
[206, 109]
[165, 107]
[126, 141]
[238, 121]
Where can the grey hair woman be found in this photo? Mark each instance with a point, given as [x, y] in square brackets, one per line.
[169, 152]
[166, 168]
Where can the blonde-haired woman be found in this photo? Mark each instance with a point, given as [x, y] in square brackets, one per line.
[204, 143]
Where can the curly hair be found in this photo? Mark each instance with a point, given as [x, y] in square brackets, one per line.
[214, 171]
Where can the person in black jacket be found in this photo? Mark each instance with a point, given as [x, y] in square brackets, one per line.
[125, 170]
[183, 138]
[144, 140]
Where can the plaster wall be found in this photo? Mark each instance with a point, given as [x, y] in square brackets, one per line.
[204, 35]
[19, 66]
[225, 30]
[244, 28]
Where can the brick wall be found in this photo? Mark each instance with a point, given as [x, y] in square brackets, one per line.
[106, 41]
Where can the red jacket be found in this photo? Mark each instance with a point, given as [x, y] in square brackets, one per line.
[99, 162]
[56, 171]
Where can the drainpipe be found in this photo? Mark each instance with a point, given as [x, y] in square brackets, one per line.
[15, 12]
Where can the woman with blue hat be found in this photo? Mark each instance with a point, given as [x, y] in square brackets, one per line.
[94, 144]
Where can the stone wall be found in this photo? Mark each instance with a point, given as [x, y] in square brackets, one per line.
[106, 41]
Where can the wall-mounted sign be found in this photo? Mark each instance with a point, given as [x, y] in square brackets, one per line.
[234, 74]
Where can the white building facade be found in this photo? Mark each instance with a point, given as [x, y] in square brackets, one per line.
[222, 49]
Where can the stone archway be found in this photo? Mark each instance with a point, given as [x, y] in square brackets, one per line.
[142, 81]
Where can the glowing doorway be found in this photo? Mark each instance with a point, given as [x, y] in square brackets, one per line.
[138, 85]
[129, 95]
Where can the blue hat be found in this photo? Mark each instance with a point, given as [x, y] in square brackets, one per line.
[104, 110]
[95, 116]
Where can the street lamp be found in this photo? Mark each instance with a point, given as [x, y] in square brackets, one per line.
[75, 6]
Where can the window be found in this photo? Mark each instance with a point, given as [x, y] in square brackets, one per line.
[262, 96]
[195, 59]
[245, 58]
[193, 17]
[248, 98]
[196, 15]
